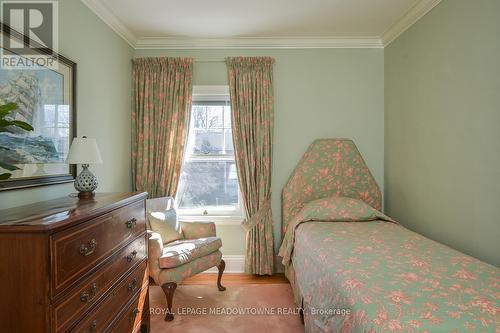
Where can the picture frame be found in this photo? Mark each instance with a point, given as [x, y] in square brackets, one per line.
[46, 99]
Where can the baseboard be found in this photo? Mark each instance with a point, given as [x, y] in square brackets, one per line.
[234, 264]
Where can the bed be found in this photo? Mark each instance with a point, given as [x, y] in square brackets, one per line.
[354, 269]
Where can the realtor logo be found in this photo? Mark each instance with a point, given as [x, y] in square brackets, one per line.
[31, 41]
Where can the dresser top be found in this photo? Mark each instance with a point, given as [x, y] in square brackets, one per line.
[58, 213]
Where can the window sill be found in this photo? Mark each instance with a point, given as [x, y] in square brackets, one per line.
[218, 220]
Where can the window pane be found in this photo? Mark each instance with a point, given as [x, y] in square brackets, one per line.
[229, 142]
[209, 180]
[214, 116]
[199, 117]
[227, 116]
[208, 141]
[208, 183]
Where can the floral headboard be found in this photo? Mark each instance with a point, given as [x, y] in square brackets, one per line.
[330, 167]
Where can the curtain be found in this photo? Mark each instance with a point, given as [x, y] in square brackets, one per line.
[162, 90]
[252, 104]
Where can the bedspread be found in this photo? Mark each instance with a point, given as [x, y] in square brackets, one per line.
[381, 277]
[329, 209]
[355, 270]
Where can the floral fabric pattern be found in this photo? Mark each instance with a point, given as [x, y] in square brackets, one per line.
[169, 232]
[354, 269]
[252, 105]
[194, 230]
[179, 273]
[391, 280]
[329, 167]
[183, 251]
[331, 209]
[162, 90]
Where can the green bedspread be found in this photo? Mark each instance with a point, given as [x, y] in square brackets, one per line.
[374, 275]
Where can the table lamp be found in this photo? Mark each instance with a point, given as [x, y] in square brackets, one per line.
[84, 151]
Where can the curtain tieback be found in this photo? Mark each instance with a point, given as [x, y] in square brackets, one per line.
[262, 213]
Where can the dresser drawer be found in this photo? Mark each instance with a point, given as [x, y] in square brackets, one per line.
[100, 318]
[68, 309]
[77, 250]
[131, 319]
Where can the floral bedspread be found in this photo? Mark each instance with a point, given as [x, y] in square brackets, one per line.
[330, 209]
[377, 276]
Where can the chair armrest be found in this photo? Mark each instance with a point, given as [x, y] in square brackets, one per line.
[155, 245]
[155, 250]
[194, 230]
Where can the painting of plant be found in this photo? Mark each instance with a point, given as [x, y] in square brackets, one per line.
[37, 123]
[7, 125]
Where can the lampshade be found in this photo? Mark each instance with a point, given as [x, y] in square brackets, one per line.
[84, 151]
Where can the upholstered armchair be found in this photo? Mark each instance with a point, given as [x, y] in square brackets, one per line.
[194, 249]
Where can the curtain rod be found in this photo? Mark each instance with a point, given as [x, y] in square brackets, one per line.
[207, 61]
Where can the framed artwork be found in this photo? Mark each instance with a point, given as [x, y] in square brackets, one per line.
[45, 99]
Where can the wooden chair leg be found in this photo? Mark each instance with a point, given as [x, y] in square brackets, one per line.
[221, 268]
[169, 289]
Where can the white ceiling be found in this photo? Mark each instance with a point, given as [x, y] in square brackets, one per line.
[185, 20]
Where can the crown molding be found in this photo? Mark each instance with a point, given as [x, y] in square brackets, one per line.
[111, 20]
[258, 43]
[410, 18]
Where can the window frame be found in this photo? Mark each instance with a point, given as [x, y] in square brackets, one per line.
[210, 95]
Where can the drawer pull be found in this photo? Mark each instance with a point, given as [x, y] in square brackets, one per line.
[92, 327]
[134, 314]
[132, 256]
[89, 296]
[132, 286]
[86, 250]
[131, 223]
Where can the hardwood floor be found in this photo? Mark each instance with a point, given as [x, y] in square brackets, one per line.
[233, 279]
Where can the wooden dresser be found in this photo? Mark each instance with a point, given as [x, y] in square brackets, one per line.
[71, 265]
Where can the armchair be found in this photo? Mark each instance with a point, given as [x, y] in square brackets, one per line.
[196, 251]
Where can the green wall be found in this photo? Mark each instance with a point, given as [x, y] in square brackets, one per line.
[442, 127]
[318, 93]
[103, 100]
[442, 116]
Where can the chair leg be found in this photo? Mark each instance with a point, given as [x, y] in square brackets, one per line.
[169, 289]
[221, 268]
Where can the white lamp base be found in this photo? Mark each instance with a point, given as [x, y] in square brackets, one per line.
[86, 183]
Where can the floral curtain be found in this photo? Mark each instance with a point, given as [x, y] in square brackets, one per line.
[252, 104]
[162, 89]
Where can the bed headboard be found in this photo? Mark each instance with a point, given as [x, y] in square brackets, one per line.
[329, 167]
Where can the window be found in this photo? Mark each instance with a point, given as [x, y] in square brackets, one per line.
[209, 181]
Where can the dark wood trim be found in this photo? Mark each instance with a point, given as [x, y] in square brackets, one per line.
[61, 213]
[20, 184]
[221, 268]
[101, 290]
[15, 184]
[169, 290]
[86, 195]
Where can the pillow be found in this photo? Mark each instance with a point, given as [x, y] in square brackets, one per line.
[166, 224]
[330, 209]
[339, 209]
